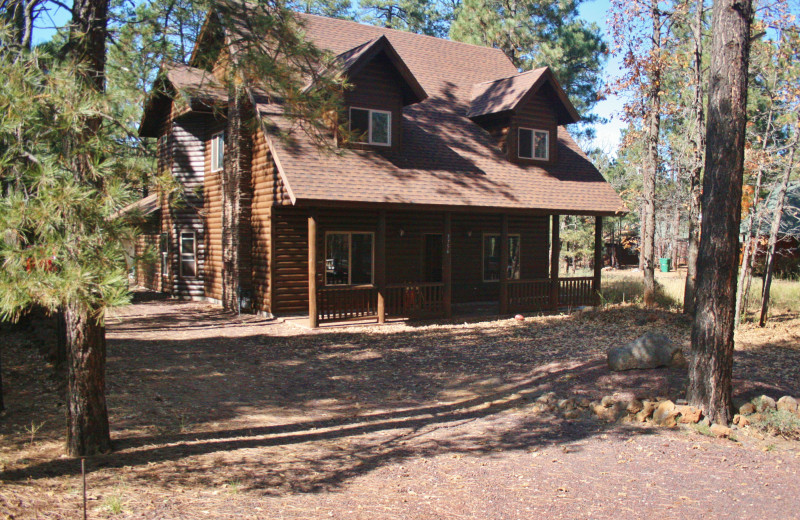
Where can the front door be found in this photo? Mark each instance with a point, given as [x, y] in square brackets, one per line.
[432, 259]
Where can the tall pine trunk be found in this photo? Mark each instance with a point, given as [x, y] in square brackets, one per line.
[695, 192]
[711, 360]
[87, 416]
[651, 170]
[773, 234]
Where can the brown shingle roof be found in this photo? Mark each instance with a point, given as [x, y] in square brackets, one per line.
[446, 159]
[506, 94]
[194, 86]
[195, 83]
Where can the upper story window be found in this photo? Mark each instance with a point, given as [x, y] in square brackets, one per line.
[217, 151]
[534, 144]
[371, 126]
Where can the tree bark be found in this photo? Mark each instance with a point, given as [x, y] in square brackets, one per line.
[651, 170]
[87, 40]
[695, 192]
[231, 200]
[773, 235]
[87, 416]
[711, 360]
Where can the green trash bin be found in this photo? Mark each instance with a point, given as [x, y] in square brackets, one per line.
[666, 264]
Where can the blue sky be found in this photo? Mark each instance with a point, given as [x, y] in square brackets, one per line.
[607, 135]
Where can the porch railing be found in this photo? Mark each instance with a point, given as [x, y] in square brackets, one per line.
[415, 300]
[575, 292]
[528, 295]
[346, 303]
[534, 294]
[408, 300]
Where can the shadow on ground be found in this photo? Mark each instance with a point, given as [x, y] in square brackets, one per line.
[193, 390]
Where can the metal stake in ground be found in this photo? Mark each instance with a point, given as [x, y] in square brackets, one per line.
[83, 475]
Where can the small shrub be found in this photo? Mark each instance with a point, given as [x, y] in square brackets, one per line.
[113, 504]
[780, 423]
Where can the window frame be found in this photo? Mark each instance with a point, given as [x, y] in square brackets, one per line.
[181, 253]
[369, 125]
[483, 256]
[215, 152]
[349, 259]
[533, 143]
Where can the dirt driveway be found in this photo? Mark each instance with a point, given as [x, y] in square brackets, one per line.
[215, 416]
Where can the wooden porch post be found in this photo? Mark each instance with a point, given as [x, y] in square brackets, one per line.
[380, 265]
[555, 254]
[598, 258]
[313, 317]
[447, 271]
[503, 268]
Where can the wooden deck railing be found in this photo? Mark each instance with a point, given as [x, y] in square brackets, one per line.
[347, 303]
[575, 292]
[528, 295]
[534, 295]
[415, 300]
[426, 300]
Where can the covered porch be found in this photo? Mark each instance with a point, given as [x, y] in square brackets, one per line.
[449, 248]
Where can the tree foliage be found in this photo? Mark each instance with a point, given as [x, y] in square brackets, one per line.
[534, 34]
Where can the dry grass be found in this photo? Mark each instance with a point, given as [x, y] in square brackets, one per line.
[627, 287]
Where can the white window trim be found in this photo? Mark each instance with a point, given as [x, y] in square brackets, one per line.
[350, 259]
[483, 255]
[193, 254]
[214, 153]
[533, 143]
[369, 125]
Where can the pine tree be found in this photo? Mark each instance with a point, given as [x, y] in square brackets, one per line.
[711, 360]
[418, 16]
[534, 34]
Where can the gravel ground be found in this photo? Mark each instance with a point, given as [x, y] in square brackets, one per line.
[215, 416]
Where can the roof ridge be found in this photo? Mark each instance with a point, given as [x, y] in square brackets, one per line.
[448, 40]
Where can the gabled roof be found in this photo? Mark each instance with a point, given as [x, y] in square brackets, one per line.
[507, 94]
[353, 60]
[446, 160]
[195, 87]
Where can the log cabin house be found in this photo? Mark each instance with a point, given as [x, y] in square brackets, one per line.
[452, 197]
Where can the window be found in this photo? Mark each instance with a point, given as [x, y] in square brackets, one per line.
[534, 144]
[371, 126]
[348, 258]
[217, 151]
[491, 257]
[163, 248]
[188, 254]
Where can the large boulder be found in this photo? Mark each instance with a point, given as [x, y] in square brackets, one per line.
[649, 351]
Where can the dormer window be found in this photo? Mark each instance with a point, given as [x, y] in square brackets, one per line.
[534, 144]
[371, 126]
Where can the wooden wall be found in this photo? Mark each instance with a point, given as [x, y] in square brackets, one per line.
[404, 255]
[187, 150]
[148, 272]
[267, 191]
[212, 273]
